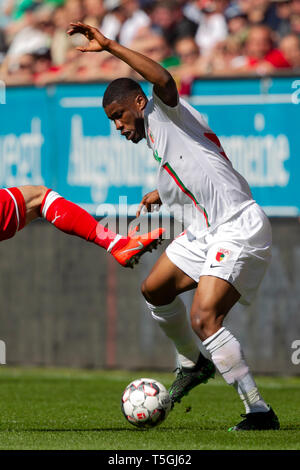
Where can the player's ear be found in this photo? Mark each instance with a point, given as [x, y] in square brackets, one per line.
[141, 101]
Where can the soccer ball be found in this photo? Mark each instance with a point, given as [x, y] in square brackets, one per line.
[145, 403]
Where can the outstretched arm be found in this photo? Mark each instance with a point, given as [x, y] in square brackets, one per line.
[164, 84]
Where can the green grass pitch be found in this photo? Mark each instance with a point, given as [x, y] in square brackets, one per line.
[75, 409]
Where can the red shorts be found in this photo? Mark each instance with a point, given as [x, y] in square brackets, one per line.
[12, 212]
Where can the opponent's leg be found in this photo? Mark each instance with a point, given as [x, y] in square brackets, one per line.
[73, 220]
[213, 299]
[165, 282]
[12, 212]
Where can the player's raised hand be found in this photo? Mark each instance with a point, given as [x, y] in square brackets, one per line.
[97, 42]
[149, 201]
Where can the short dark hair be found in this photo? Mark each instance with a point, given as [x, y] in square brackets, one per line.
[120, 89]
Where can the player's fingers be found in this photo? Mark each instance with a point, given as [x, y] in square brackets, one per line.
[81, 49]
[147, 206]
[141, 205]
[78, 28]
[83, 25]
[138, 212]
[79, 25]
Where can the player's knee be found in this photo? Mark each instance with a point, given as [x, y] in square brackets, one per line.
[151, 293]
[146, 290]
[205, 321]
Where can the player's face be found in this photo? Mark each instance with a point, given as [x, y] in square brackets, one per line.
[128, 116]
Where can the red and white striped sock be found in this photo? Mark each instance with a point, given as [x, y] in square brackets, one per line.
[72, 219]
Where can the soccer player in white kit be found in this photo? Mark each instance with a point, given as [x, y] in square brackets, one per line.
[226, 248]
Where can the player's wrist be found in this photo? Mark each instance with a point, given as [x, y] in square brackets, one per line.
[109, 45]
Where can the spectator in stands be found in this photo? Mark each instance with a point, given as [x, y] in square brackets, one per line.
[295, 7]
[189, 68]
[234, 36]
[168, 20]
[295, 16]
[155, 47]
[94, 12]
[237, 22]
[19, 72]
[224, 57]
[135, 20]
[213, 27]
[256, 10]
[60, 43]
[279, 16]
[101, 67]
[113, 20]
[295, 24]
[74, 10]
[42, 65]
[261, 57]
[187, 50]
[37, 34]
[3, 46]
[290, 47]
[17, 8]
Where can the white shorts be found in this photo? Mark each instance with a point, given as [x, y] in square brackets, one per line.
[238, 251]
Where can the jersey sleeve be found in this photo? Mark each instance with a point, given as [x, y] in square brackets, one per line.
[163, 112]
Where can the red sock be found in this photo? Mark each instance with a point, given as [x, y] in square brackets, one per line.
[74, 220]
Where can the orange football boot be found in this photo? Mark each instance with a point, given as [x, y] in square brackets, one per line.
[129, 254]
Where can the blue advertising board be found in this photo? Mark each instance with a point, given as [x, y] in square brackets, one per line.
[59, 136]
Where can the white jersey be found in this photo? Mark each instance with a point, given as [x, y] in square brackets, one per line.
[196, 181]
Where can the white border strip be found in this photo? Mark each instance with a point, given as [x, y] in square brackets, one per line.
[225, 100]
[81, 102]
[281, 211]
[208, 100]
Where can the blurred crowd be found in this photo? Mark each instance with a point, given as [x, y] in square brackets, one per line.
[191, 38]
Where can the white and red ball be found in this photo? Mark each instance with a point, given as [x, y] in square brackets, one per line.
[145, 403]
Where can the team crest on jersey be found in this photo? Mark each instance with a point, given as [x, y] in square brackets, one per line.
[222, 254]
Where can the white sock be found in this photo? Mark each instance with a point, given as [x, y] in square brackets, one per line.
[227, 355]
[172, 318]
